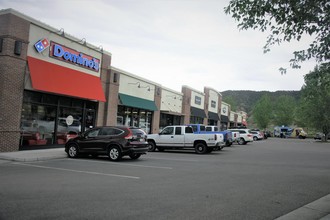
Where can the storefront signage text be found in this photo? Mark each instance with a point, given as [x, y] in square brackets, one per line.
[198, 100]
[66, 54]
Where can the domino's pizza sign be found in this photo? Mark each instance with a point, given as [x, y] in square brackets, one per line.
[74, 57]
[41, 45]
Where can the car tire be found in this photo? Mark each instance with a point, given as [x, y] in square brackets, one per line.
[152, 146]
[241, 141]
[200, 148]
[255, 138]
[114, 153]
[73, 151]
[135, 156]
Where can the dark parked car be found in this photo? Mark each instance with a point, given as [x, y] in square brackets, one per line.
[114, 141]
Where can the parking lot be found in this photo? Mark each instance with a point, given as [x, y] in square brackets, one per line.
[261, 180]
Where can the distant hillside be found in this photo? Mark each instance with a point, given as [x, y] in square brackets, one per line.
[246, 99]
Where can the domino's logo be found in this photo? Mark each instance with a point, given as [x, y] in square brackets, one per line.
[41, 45]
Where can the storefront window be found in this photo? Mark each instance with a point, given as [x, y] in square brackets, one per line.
[167, 119]
[49, 119]
[134, 117]
[196, 120]
[37, 124]
[147, 124]
[212, 122]
[90, 119]
[127, 116]
[68, 124]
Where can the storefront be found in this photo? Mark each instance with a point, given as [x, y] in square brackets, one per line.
[233, 119]
[62, 89]
[136, 104]
[170, 108]
[225, 109]
[214, 103]
[53, 87]
[197, 112]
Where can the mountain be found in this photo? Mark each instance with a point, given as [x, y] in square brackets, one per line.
[244, 100]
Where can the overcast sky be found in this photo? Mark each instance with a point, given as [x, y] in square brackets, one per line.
[173, 42]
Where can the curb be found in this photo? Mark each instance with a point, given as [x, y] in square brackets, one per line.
[34, 155]
[318, 210]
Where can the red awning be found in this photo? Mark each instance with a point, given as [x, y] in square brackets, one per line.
[53, 78]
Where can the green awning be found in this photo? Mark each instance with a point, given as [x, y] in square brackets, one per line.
[136, 102]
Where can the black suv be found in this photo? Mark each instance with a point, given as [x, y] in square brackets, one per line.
[114, 141]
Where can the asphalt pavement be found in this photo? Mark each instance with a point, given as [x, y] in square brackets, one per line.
[318, 210]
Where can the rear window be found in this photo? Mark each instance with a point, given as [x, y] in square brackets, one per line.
[137, 131]
[194, 127]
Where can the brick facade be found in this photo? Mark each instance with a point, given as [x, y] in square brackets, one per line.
[12, 72]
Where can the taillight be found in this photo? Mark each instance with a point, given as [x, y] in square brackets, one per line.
[129, 135]
[250, 135]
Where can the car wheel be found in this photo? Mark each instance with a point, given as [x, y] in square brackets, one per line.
[241, 141]
[152, 146]
[255, 138]
[135, 156]
[201, 148]
[73, 151]
[114, 153]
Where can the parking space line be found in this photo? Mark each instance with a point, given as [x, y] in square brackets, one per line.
[78, 171]
[173, 159]
[123, 164]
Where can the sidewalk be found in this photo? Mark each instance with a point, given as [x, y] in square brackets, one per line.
[317, 210]
[34, 155]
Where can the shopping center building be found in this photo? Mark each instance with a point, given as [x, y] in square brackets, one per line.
[54, 86]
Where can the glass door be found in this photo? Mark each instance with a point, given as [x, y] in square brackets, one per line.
[89, 119]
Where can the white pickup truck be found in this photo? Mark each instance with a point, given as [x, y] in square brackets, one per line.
[183, 137]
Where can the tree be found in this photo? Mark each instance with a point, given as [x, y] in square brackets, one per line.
[284, 109]
[262, 112]
[287, 20]
[316, 99]
[231, 101]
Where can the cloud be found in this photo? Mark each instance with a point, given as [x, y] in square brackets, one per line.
[174, 43]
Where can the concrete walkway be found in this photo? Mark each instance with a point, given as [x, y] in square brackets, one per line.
[317, 210]
[34, 155]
